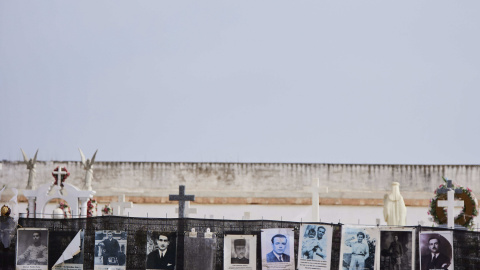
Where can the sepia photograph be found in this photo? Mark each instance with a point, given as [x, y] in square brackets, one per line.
[397, 250]
[436, 250]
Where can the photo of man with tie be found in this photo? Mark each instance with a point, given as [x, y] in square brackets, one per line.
[279, 244]
[437, 255]
[162, 257]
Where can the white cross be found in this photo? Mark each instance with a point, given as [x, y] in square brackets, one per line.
[315, 198]
[59, 174]
[119, 207]
[450, 203]
[187, 210]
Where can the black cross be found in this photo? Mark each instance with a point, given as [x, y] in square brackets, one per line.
[181, 198]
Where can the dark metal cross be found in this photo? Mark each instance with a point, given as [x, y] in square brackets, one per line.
[181, 198]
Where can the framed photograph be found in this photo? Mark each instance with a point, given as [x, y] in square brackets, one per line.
[110, 250]
[359, 248]
[161, 250]
[239, 252]
[314, 247]
[277, 249]
[436, 250]
[32, 249]
[397, 248]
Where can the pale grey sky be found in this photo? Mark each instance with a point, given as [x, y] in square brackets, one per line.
[241, 81]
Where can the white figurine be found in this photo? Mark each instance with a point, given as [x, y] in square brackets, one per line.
[394, 210]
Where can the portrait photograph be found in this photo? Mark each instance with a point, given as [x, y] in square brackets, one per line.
[240, 251]
[436, 250]
[110, 250]
[358, 248]
[161, 250]
[397, 248]
[314, 246]
[32, 248]
[278, 249]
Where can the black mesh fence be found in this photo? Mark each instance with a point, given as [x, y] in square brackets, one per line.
[466, 243]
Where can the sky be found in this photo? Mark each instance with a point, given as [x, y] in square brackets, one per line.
[369, 82]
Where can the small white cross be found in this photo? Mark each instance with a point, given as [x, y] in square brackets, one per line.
[450, 203]
[119, 207]
[59, 174]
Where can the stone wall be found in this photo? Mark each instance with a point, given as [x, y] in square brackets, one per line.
[252, 183]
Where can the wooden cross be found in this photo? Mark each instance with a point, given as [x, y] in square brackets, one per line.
[59, 174]
[315, 198]
[450, 203]
[181, 198]
[119, 207]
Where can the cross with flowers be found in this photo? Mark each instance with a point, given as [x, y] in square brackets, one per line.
[60, 173]
[450, 203]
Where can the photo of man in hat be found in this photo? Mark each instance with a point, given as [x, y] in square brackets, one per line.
[240, 249]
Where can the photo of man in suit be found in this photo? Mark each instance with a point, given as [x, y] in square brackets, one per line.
[279, 244]
[162, 257]
[110, 249]
[435, 259]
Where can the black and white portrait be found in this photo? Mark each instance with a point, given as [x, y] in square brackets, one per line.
[397, 250]
[314, 246]
[436, 250]
[110, 249]
[32, 248]
[240, 251]
[161, 250]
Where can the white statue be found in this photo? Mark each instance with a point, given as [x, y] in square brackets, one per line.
[88, 166]
[394, 210]
[31, 167]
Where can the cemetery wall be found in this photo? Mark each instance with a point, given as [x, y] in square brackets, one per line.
[251, 183]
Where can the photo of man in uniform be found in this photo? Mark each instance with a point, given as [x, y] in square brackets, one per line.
[396, 252]
[161, 257]
[279, 244]
[36, 253]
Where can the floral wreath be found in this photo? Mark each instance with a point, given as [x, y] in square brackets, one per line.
[107, 210]
[63, 176]
[67, 212]
[91, 207]
[469, 210]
